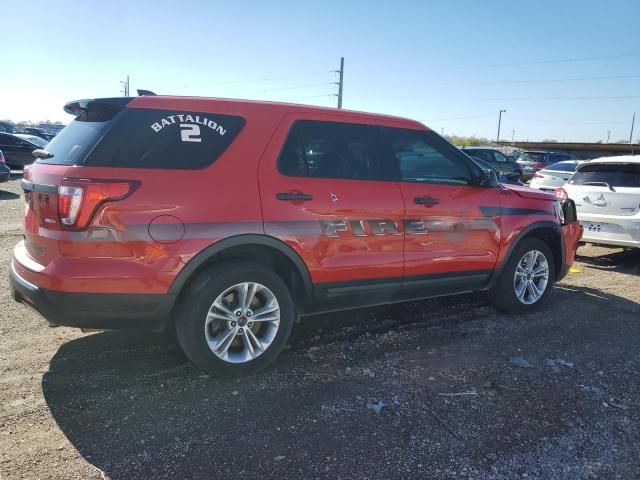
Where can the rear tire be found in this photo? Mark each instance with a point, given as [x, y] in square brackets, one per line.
[235, 319]
[528, 289]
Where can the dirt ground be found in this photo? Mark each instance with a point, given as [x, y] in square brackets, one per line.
[445, 388]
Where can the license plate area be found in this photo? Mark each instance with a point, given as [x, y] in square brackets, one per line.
[595, 227]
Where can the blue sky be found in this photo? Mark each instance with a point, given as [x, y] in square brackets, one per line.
[450, 64]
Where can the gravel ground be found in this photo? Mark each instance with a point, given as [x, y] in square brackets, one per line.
[445, 388]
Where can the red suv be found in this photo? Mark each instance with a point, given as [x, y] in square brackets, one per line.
[228, 220]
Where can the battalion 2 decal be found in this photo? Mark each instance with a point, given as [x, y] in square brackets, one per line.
[189, 126]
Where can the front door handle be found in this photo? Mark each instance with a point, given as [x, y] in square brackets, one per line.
[288, 196]
[426, 201]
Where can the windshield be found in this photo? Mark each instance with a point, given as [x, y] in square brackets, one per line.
[611, 175]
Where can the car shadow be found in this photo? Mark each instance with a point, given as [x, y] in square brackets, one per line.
[4, 195]
[623, 261]
[134, 406]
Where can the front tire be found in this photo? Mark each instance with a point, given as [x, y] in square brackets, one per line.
[235, 319]
[527, 278]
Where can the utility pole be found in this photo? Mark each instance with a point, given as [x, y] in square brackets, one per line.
[499, 122]
[340, 83]
[633, 121]
[513, 135]
[608, 135]
[125, 86]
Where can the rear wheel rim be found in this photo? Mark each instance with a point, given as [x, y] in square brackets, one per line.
[531, 277]
[242, 322]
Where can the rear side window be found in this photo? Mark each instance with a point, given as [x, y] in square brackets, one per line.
[485, 155]
[532, 157]
[423, 156]
[333, 150]
[611, 175]
[148, 138]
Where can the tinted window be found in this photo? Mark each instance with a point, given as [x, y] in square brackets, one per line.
[146, 138]
[532, 157]
[71, 145]
[500, 157]
[8, 140]
[333, 150]
[608, 174]
[563, 167]
[425, 157]
[486, 155]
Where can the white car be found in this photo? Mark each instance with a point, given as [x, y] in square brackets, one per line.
[606, 192]
[553, 176]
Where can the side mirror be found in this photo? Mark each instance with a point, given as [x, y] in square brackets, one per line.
[488, 178]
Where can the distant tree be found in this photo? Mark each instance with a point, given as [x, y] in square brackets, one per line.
[472, 141]
[550, 140]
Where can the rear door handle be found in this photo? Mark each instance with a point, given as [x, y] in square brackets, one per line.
[426, 201]
[288, 196]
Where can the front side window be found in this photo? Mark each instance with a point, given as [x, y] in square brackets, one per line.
[485, 155]
[332, 150]
[425, 157]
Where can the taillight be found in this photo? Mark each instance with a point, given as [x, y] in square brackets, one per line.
[79, 200]
[538, 165]
[561, 194]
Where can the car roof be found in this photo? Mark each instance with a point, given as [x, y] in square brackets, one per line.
[238, 106]
[471, 147]
[618, 159]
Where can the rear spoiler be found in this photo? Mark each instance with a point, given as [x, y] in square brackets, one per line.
[98, 109]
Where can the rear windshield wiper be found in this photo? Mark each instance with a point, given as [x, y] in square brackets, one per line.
[604, 184]
[42, 153]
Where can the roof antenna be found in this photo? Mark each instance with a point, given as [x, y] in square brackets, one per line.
[145, 93]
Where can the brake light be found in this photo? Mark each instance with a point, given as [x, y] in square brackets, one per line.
[538, 165]
[561, 194]
[79, 200]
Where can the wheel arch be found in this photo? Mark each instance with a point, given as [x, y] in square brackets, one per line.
[548, 232]
[262, 249]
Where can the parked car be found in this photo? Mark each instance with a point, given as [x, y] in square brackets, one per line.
[39, 132]
[553, 176]
[606, 192]
[228, 220]
[5, 171]
[495, 158]
[512, 178]
[17, 151]
[531, 161]
[38, 141]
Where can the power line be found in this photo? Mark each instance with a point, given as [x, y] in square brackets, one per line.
[268, 79]
[545, 80]
[551, 61]
[612, 97]
[571, 122]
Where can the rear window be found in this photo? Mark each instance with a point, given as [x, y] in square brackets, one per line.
[532, 157]
[563, 167]
[167, 139]
[611, 175]
[75, 141]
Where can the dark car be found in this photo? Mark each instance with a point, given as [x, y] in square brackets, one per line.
[531, 161]
[512, 178]
[498, 160]
[5, 171]
[17, 150]
[39, 132]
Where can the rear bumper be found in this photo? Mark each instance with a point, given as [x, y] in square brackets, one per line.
[618, 230]
[109, 311]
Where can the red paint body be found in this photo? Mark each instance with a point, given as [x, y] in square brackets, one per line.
[142, 243]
